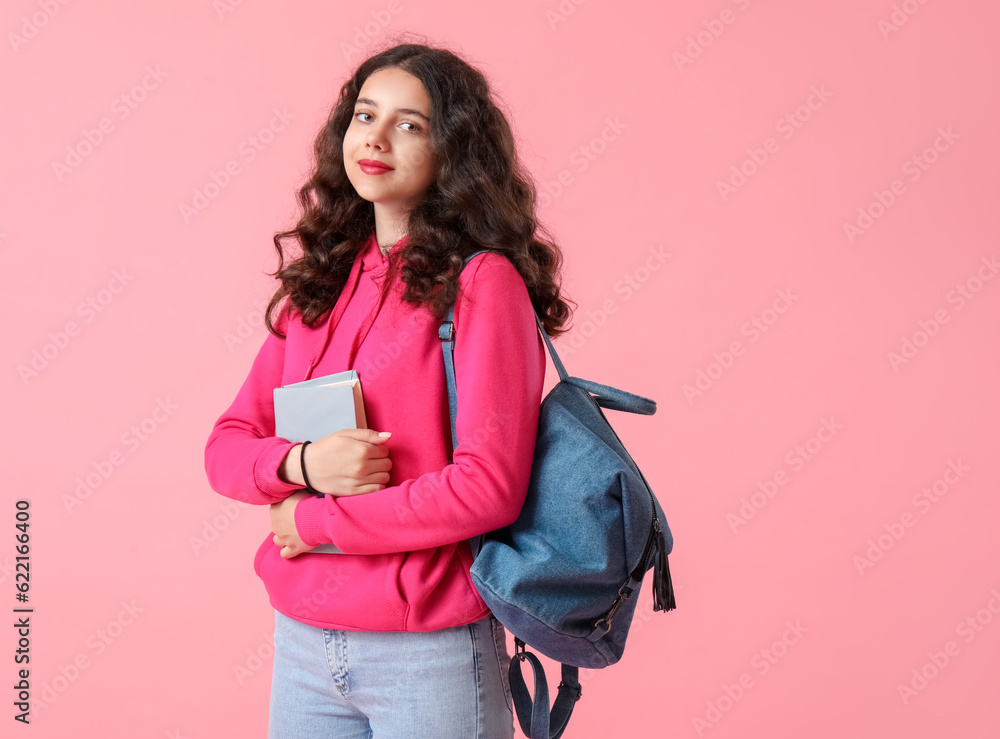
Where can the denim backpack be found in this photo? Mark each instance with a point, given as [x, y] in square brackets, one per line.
[562, 576]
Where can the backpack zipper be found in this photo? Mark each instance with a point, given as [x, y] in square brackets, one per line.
[663, 587]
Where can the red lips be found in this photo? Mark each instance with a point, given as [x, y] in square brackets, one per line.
[370, 166]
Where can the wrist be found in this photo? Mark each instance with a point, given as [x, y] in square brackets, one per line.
[302, 469]
[290, 469]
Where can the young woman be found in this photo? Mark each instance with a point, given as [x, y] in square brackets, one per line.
[415, 169]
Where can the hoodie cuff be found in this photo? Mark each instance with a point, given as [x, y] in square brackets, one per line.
[311, 516]
[265, 471]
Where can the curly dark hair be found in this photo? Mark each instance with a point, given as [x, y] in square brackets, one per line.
[481, 198]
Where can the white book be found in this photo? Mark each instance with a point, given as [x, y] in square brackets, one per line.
[311, 409]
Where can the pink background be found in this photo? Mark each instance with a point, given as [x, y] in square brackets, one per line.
[149, 620]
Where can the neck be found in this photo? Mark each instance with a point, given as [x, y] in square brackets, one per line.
[390, 225]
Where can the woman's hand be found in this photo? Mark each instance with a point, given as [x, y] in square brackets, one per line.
[346, 462]
[286, 535]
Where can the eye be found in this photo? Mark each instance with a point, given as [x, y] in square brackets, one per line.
[362, 112]
[415, 128]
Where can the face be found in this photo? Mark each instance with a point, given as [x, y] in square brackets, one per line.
[391, 127]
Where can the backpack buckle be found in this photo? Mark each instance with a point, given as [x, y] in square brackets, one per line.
[624, 593]
[519, 649]
[446, 331]
[575, 687]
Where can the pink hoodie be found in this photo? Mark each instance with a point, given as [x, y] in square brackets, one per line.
[406, 561]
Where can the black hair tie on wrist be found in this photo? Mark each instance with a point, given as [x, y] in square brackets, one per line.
[302, 462]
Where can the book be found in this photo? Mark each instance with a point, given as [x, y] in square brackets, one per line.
[311, 409]
[308, 410]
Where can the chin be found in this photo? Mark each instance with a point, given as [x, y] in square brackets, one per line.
[366, 193]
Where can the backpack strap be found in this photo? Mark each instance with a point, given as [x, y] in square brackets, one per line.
[446, 332]
[540, 724]
[533, 714]
[607, 397]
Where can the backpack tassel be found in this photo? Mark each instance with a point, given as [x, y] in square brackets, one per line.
[663, 587]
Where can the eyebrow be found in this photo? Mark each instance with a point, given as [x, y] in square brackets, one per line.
[405, 111]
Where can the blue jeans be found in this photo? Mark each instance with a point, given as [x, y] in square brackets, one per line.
[336, 684]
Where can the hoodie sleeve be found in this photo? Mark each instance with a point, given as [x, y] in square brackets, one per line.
[242, 454]
[499, 374]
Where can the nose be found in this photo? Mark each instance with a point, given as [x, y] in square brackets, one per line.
[376, 137]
